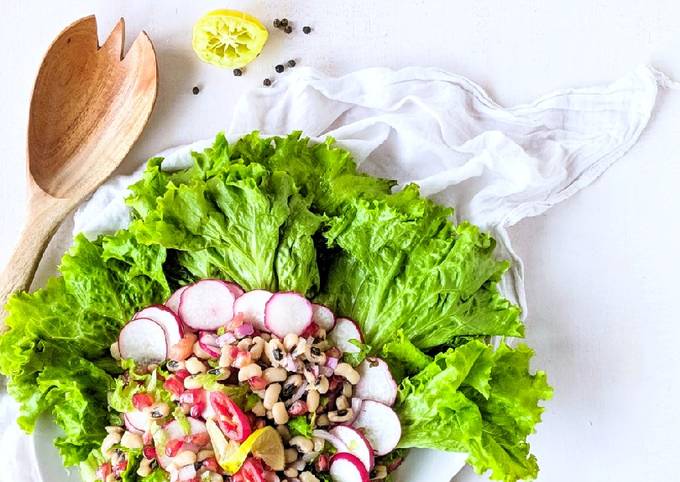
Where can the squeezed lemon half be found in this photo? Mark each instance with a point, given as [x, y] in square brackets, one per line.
[228, 38]
[265, 444]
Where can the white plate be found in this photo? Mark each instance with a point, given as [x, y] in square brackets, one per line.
[421, 465]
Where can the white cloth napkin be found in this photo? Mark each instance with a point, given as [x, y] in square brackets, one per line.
[495, 165]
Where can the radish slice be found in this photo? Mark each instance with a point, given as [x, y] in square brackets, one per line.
[207, 305]
[323, 316]
[173, 301]
[235, 289]
[143, 341]
[174, 431]
[288, 313]
[356, 443]
[380, 425]
[136, 421]
[165, 317]
[376, 382]
[356, 408]
[346, 467]
[331, 439]
[208, 343]
[344, 331]
[251, 305]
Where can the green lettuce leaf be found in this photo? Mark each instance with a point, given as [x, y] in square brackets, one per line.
[400, 264]
[55, 350]
[477, 400]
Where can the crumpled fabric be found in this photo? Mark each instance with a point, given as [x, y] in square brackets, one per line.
[495, 165]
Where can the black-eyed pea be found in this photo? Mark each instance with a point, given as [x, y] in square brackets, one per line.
[341, 403]
[290, 341]
[322, 420]
[244, 345]
[195, 366]
[280, 413]
[191, 383]
[322, 385]
[303, 444]
[184, 458]
[115, 429]
[144, 468]
[275, 352]
[318, 444]
[259, 410]
[159, 410]
[204, 455]
[109, 441]
[315, 355]
[290, 472]
[340, 416]
[300, 464]
[225, 356]
[290, 455]
[346, 371]
[300, 348]
[249, 371]
[313, 400]
[214, 477]
[221, 374]
[275, 374]
[284, 432]
[271, 395]
[307, 476]
[200, 352]
[257, 349]
[347, 390]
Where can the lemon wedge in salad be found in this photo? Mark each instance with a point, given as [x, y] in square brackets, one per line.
[265, 444]
[228, 38]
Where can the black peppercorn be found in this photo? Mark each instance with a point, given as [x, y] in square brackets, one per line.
[195, 90]
[279, 68]
[307, 29]
[283, 22]
[267, 82]
[277, 23]
[238, 72]
[291, 63]
[288, 29]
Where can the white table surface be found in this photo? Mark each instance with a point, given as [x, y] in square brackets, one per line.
[602, 268]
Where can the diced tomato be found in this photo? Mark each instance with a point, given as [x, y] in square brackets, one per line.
[120, 467]
[142, 400]
[193, 396]
[333, 352]
[149, 452]
[230, 418]
[200, 439]
[336, 382]
[257, 383]
[104, 471]
[395, 464]
[182, 374]
[311, 330]
[322, 463]
[259, 423]
[251, 471]
[174, 385]
[212, 465]
[173, 447]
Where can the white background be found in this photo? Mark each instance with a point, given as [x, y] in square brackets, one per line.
[602, 268]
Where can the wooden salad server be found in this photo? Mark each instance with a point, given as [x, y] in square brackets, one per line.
[90, 104]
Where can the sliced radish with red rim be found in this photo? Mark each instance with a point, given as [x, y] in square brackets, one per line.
[323, 316]
[144, 341]
[380, 424]
[346, 467]
[208, 343]
[346, 330]
[136, 421]
[376, 382]
[173, 301]
[235, 289]
[357, 444]
[251, 306]
[337, 444]
[165, 317]
[207, 305]
[288, 313]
